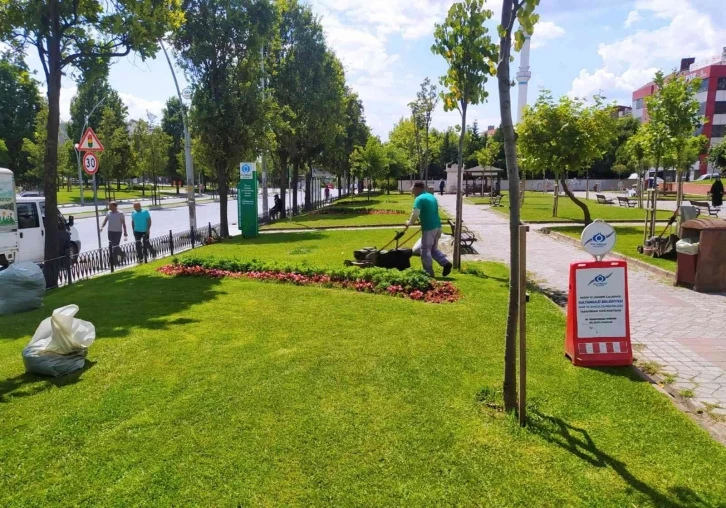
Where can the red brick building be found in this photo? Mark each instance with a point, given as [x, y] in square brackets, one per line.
[711, 96]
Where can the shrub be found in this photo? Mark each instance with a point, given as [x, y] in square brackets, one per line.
[414, 284]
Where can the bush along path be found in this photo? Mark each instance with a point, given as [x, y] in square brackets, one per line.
[413, 284]
[346, 210]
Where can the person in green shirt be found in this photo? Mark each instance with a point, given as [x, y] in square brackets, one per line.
[426, 211]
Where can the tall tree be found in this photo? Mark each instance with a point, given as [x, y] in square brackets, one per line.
[566, 136]
[300, 66]
[172, 124]
[77, 35]
[219, 46]
[717, 156]
[370, 161]
[464, 42]
[513, 11]
[674, 113]
[18, 108]
[115, 160]
[427, 98]
[634, 155]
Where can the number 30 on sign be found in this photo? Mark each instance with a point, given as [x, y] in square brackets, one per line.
[90, 163]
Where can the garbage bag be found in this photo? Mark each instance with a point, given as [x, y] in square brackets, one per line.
[22, 287]
[687, 247]
[60, 344]
[416, 250]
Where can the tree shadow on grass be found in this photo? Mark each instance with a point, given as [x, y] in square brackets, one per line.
[27, 385]
[578, 442]
[119, 303]
[273, 237]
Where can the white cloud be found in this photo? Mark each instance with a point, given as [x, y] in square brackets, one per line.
[631, 62]
[633, 17]
[138, 106]
[546, 31]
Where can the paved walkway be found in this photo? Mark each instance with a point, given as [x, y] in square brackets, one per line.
[677, 328]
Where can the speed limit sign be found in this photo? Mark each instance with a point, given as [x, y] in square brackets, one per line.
[90, 163]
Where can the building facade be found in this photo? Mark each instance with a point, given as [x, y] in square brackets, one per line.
[711, 96]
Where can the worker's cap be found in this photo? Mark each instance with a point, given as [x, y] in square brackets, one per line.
[113, 203]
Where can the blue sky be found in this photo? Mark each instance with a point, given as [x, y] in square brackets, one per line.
[580, 47]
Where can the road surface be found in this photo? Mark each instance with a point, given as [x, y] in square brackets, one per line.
[164, 219]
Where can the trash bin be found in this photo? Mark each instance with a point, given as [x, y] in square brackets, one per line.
[687, 250]
[710, 259]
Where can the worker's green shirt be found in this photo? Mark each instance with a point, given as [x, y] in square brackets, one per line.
[429, 211]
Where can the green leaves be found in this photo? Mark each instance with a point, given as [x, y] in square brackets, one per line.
[567, 135]
[463, 41]
[717, 155]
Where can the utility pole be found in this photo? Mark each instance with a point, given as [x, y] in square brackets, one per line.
[187, 149]
[264, 162]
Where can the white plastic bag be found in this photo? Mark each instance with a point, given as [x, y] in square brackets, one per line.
[417, 248]
[60, 344]
[22, 286]
[687, 247]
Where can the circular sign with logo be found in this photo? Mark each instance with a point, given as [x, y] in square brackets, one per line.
[246, 168]
[598, 238]
[187, 93]
[90, 163]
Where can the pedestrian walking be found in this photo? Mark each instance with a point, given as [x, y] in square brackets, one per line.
[442, 186]
[426, 211]
[116, 227]
[141, 222]
[717, 192]
[327, 193]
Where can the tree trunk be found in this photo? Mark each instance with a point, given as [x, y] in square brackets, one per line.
[223, 188]
[283, 186]
[50, 161]
[294, 187]
[459, 196]
[510, 152]
[118, 185]
[309, 188]
[340, 181]
[583, 206]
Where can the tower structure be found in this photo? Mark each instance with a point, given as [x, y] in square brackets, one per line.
[523, 77]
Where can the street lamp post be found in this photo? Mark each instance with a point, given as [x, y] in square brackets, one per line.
[187, 148]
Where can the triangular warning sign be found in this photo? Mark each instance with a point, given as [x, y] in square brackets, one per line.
[89, 142]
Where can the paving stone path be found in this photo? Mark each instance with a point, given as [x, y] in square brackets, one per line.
[680, 330]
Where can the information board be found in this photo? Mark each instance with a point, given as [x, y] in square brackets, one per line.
[600, 302]
[598, 322]
[247, 200]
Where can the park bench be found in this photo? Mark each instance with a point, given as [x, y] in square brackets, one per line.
[495, 200]
[626, 202]
[705, 206]
[467, 237]
[603, 200]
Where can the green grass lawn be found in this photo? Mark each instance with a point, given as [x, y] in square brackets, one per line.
[73, 196]
[629, 238]
[234, 392]
[538, 208]
[399, 202]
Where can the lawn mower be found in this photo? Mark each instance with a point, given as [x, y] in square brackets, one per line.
[399, 257]
[660, 247]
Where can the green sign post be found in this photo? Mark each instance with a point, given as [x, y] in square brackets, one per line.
[247, 200]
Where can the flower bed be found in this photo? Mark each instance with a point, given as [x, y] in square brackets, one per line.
[340, 210]
[413, 284]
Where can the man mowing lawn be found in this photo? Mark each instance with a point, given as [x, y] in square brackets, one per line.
[426, 210]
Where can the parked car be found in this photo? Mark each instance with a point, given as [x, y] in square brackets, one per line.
[708, 176]
[30, 194]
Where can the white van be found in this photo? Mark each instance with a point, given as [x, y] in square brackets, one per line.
[22, 226]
